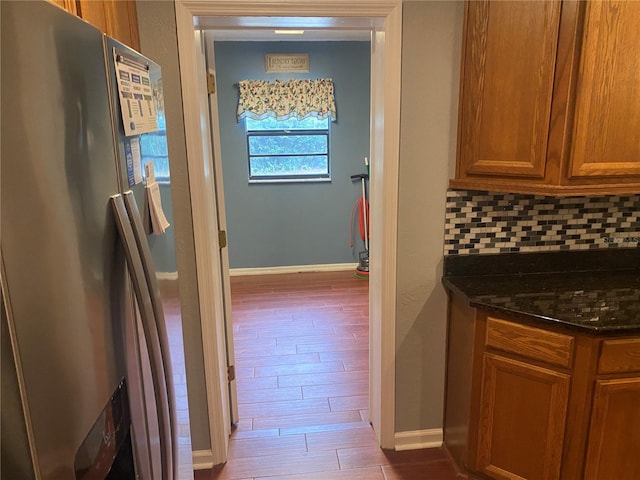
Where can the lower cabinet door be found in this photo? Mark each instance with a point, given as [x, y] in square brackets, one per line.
[613, 449]
[522, 420]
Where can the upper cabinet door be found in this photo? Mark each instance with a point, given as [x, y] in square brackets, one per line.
[118, 19]
[122, 21]
[606, 132]
[507, 85]
[68, 5]
[94, 13]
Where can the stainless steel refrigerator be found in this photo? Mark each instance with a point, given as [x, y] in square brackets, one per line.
[87, 386]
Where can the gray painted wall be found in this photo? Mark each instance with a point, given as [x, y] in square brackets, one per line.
[294, 223]
[431, 48]
[157, 24]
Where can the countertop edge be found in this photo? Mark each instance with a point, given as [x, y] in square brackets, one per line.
[533, 318]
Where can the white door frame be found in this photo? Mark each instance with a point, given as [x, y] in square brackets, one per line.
[385, 150]
[222, 226]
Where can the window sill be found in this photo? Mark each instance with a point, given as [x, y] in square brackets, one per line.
[290, 180]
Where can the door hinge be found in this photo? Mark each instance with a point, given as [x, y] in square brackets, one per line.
[222, 238]
[231, 373]
[211, 83]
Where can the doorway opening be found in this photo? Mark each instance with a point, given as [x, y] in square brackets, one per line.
[292, 223]
[384, 19]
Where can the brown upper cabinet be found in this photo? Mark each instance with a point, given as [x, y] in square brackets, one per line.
[68, 5]
[116, 18]
[550, 97]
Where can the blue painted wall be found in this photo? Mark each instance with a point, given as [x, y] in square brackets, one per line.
[163, 247]
[283, 224]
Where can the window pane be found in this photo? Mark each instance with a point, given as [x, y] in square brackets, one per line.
[309, 123]
[287, 144]
[153, 147]
[291, 165]
[279, 149]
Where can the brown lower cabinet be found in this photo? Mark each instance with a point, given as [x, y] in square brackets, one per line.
[517, 397]
[614, 446]
[538, 402]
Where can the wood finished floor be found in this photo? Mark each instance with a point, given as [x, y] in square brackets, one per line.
[171, 307]
[301, 345]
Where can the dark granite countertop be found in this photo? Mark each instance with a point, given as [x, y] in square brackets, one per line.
[596, 292]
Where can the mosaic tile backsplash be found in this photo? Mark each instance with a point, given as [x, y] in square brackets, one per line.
[484, 223]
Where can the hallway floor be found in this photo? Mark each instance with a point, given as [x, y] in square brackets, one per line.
[301, 346]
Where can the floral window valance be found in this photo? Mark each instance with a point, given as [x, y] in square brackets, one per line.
[260, 99]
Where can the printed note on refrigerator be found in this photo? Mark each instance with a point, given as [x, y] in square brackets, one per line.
[154, 219]
[149, 172]
[136, 95]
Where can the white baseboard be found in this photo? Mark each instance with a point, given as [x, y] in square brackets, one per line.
[167, 275]
[413, 440]
[329, 267]
[202, 459]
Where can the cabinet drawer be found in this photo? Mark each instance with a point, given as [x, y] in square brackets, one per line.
[618, 356]
[530, 342]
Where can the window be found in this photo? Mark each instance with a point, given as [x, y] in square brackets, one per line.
[153, 148]
[288, 150]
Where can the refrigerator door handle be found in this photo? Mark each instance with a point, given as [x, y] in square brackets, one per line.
[145, 305]
[156, 302]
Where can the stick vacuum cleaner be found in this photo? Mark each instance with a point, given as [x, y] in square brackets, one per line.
[362, 270]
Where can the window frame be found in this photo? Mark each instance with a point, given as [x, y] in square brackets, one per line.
[315, 177]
